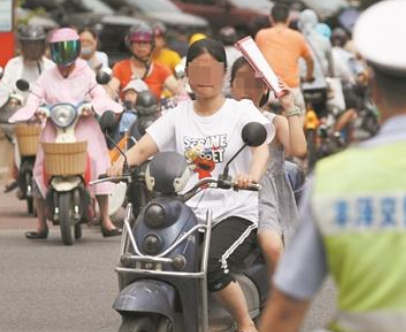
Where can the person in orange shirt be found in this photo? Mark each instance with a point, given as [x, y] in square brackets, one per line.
[140, 41]
[283, 47]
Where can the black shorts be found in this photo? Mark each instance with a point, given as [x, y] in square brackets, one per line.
[231, 241]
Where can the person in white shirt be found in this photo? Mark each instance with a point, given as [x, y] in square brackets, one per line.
[208, 133]
[95, 59]
[28, 66]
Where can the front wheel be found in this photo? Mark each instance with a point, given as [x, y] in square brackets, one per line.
[145, 324]
[66, 218]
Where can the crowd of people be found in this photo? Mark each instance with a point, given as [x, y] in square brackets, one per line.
[217, 94]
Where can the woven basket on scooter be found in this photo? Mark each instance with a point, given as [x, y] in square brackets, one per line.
[27, 138]
[65, 159]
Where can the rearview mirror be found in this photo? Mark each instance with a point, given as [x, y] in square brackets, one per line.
[108, 121]
[104, 76]
[23, 85]
[180, 71]
[254, 134]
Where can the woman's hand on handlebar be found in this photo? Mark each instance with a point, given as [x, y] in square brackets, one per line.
[87, 111]
[243, 181]
[41, 115]
[116, 169]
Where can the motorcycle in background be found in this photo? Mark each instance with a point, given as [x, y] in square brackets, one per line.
[163, 259]
[25, 138]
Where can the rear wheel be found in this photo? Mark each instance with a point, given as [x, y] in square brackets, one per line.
[145, 324]
[66, 218]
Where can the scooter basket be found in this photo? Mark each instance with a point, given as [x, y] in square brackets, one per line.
[65, 159]
[27, 138]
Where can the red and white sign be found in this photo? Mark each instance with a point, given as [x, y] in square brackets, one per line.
[6, 31]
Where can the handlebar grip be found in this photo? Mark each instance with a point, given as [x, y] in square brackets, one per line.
[254, 187]
[103, 176]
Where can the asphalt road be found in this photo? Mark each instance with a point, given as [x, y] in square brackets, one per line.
[47, 287]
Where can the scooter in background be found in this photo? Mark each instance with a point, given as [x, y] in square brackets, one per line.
[67, 167]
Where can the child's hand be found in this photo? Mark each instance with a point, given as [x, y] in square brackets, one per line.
[286, 100]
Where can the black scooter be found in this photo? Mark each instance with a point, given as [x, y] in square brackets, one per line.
[147, 111]
[163, 259]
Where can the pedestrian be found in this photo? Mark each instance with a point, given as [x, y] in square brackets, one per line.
[283, 47]
[353, 215]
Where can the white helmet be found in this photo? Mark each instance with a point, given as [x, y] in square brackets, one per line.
[379, 36]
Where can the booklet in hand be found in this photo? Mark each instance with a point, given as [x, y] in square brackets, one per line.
[253, 55]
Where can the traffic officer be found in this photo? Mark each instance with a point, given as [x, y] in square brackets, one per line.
[354, 214]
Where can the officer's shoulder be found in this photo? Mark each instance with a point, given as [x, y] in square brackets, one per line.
[338, 160]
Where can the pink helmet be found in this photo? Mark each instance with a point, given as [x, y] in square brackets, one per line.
[65, 46]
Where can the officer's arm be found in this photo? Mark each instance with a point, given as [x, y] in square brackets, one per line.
[284, 315]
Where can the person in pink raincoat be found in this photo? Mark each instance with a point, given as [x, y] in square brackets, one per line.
[71, 81]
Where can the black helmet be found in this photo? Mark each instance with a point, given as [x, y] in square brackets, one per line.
[228, 36]
[31, 33]
[32, 40]
[144, 122]
[339, 37]
[146, 103]
[167, 173]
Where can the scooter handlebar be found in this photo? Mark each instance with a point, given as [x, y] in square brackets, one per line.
[115, 179]
[253, 187]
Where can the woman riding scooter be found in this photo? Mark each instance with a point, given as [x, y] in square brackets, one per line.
[71, 81]
[207, 133]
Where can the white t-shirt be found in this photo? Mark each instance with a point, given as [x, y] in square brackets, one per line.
[207, 144]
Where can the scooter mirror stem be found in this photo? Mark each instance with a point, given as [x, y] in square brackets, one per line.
[126, 167]
[227, 168]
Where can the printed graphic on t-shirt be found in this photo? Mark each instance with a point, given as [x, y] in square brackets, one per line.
[203, 153]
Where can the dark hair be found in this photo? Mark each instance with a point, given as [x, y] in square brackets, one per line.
[391, 86]
[237, 65]
[91, 31]
[280, 12]
[207, 46]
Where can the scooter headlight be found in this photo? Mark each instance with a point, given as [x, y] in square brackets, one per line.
[152, 244]
[63, 115]
[155, 216]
